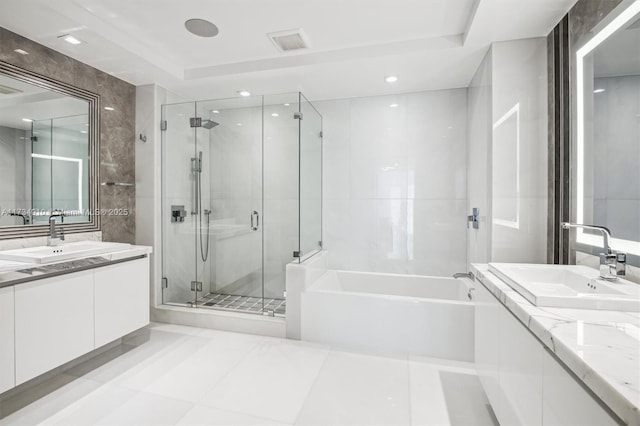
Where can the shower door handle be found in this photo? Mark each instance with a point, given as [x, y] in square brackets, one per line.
[257, 221]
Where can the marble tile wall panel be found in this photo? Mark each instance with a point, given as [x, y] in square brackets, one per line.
[395, 182]
[117, 127]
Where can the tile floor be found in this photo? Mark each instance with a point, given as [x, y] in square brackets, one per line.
[175, 375]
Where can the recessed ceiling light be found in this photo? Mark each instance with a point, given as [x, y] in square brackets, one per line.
[391, 78]
[215, 111]
[275, 114]
[83, 131]
[238, 124]
[287, 104]
[70, 39]
[109, 108]
[27, 120]
[244, 93]
[599, 90]
[393, 106]
[20, 51]
[201, 28]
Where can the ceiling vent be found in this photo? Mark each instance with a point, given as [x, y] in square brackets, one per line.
[6, 90]
[290, 40]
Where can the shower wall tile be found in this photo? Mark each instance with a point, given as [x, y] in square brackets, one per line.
[117, 128]
[394, 182]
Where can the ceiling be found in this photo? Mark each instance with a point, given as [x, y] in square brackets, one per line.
[36, 103]
[429, 44]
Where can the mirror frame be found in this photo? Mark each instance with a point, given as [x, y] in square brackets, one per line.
[590, 243]
[93, 100]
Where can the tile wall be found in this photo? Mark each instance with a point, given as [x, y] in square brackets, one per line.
[395, 182]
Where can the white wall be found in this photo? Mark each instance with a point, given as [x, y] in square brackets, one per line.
[519, 151]
[479, 161]
[395, 182]
[148, 159]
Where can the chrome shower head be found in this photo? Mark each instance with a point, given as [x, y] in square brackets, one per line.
[209, 124]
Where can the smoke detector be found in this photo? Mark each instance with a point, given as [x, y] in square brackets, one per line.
[289, 40]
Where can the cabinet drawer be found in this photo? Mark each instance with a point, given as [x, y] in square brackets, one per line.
[53, 323]
[7, 361]
[121, 299]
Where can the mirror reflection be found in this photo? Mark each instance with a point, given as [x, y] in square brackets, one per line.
[611, 140]
[44, 155]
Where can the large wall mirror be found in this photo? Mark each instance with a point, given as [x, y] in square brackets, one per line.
[48, 155]
[607, 143]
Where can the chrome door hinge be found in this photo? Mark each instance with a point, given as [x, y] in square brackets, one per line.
[163, 125]
[165, 282]
[297, 254]
[195, 122]
[196, 285]
[321, 135]
[297, 116]
[320, 244]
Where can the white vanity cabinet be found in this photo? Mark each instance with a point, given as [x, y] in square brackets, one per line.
[48, 322]
[566, 402]
[7, 360]
[525, 384]
[121, 300]
[54, 322]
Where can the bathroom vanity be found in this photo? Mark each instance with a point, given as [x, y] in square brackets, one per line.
[543, 365]
[53, 313]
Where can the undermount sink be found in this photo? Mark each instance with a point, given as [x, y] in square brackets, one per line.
[49, 254]
[568, 286]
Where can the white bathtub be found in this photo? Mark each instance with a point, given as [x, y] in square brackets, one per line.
[390, 314]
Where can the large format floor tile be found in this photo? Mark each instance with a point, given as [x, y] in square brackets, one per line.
[357, 389]
[271, 382]
[174, 375]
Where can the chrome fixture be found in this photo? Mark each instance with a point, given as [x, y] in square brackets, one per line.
[474, 219]
[199, 122]
[209, 124]
[255, 215]
[196, 169]
[464, 275]
[612, 265]
[178, 213]
[55, 237]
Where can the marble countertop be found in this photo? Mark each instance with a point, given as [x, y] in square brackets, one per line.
[12, 273]
[602, 348]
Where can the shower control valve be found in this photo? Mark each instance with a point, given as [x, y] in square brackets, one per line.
[178, 213]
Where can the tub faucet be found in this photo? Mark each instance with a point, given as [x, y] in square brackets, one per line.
[612, 265]
[55, 237]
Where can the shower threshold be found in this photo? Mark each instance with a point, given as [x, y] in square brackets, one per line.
[247, 304]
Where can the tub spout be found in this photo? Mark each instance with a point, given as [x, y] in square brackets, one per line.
[464, 275]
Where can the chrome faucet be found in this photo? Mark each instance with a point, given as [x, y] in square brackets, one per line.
[55, 237]
[612, 265]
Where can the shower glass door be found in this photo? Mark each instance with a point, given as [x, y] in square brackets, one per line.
[241, 199]
[179, 148]
[229, 264]
[310, 196]
[212, 204]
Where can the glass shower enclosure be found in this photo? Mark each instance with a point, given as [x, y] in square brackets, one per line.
[241, 198]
